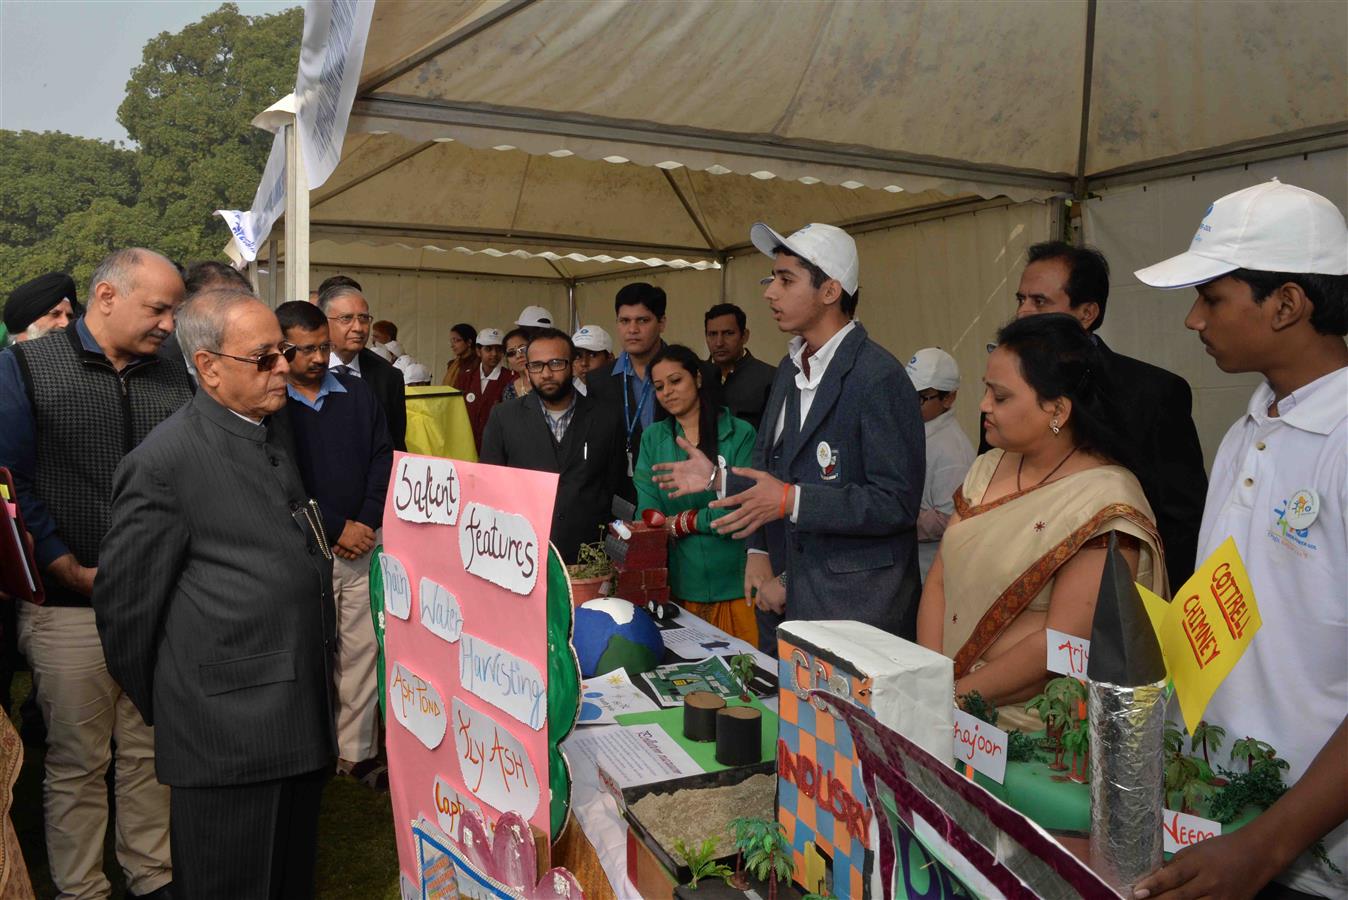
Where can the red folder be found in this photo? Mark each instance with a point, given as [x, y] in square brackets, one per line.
[19, 575]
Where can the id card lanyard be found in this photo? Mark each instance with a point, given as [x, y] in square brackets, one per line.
[631, 418]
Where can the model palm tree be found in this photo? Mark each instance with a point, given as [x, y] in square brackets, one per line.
[1207, 736]
[1077, 740]
[770, 858]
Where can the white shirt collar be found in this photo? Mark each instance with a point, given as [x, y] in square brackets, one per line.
[249, 420]
[1317, 407]
[495, 373]
[939, 423]
[820, 359]
[334, 361]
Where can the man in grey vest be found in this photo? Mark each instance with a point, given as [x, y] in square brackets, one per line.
[73, 403]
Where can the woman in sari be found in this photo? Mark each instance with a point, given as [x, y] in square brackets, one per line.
[1026, 546]
[516, 356]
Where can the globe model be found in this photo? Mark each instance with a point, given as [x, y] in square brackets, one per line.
[611, 633]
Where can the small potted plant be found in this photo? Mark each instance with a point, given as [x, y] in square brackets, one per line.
[590, 573]
[702, 862]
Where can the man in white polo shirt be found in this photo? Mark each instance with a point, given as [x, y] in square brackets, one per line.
[1270, 264]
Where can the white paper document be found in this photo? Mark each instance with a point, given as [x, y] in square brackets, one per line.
[698, 639]
[632, 754]
[606, 696]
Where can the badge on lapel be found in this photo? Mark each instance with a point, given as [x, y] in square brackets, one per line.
[827, 458]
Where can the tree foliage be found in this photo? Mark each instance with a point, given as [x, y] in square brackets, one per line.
[66, 201]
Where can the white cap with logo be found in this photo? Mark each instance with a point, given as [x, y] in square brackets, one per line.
[1271, 227]
[828, 247]
[933, 369]
[592, 337]
[489, 337]
[416, 373]
[534, 317]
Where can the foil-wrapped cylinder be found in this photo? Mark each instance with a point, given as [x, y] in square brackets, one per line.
[1127, 728]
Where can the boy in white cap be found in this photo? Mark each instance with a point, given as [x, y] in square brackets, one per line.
[534, 317]
[830, 507]
[936, 378]
[1270, 265]
[594, 348]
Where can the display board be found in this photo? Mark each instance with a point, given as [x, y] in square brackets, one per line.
[464, 579]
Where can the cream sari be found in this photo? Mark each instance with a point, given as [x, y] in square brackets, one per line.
[1000, 559]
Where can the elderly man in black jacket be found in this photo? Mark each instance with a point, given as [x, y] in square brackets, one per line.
[214, 605]
[555, 428]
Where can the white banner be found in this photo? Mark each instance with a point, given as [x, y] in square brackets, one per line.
[251, 228]
[331, 55]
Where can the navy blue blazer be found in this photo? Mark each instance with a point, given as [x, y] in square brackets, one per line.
[859, 463]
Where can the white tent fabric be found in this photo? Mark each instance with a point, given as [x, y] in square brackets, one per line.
[1143, 224]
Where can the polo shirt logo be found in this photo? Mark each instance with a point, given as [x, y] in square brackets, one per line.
[1294, 539]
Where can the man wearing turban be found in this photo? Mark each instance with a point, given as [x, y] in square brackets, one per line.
[47, 303]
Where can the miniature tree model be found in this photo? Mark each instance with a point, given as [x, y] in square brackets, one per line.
[1054, 717]
[742, 667]
[701, 862]
[749, 833]
[1077, 740]
[770, 859]
[1254, 751]
[1206, 736]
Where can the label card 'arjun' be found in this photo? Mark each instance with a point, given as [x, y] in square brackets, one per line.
[499, 547]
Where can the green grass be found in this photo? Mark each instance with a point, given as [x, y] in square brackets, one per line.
[357, 855]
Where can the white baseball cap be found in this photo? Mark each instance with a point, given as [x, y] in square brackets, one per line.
[1271, 227]
[535, 317]
[932, 368]
[489, 337]
[828, 247]
[416, 373]
[592, 337]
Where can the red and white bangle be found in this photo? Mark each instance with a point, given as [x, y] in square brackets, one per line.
[685, 523]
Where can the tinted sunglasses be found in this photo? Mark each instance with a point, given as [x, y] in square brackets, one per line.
[267, 361]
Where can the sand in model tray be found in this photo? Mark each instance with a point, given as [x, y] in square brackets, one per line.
[694, 815]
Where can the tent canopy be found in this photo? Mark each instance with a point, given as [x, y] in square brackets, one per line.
[661, 129]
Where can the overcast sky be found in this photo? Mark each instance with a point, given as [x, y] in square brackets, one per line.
[64, 64]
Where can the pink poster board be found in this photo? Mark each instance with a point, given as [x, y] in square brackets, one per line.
[465, 581]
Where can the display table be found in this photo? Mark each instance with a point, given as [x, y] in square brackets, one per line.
[437, 423]
[603, 837]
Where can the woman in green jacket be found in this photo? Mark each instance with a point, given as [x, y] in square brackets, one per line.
[706, 570]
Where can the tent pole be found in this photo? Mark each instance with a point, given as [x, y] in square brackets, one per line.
[297, 219]
[571, 305]
[1087, 76]
[725, 269]
[271, 271]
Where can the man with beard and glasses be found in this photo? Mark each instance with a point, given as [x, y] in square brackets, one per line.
[74, 403]
[345, 454]
[554, 428]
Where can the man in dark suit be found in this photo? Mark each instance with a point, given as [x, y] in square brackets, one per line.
[214, 605]
[1154, 406]
[745, 380]
[349, 325]
[555, 428]
[830, 508]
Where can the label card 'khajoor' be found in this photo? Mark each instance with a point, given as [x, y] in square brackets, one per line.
[397, 587]
[499, 547]
[417, 706]
[440, 611]
[503, 680]
[426, 490]
[495, 767]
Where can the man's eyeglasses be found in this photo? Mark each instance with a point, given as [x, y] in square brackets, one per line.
[927, 398]
[555, 365]
[267, 361]
[309, 349]
[362, 318]
[518, 351]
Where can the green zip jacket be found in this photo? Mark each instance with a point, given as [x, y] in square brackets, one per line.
[703, 567]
